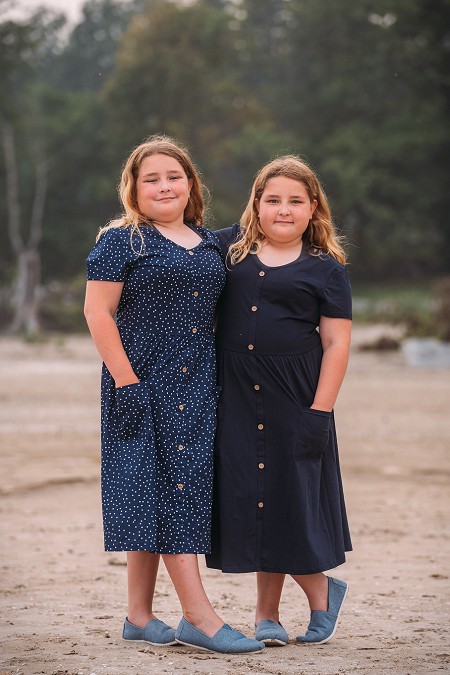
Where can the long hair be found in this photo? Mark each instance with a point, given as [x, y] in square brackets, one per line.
[155, 145]
[320, 236]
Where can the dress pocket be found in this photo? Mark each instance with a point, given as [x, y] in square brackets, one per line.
[313, 433]
[133, 409]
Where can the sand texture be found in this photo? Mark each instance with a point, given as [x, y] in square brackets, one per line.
[63, 599]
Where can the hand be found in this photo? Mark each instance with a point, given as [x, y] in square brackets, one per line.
[126, 381]
[319, 407]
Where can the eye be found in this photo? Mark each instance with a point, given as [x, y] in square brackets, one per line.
[150, 180]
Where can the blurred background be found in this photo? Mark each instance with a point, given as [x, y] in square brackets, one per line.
[359, 88]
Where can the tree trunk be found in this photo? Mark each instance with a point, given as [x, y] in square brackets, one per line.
[26, 293]
[28, 273]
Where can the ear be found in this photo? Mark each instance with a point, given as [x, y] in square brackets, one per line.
[314, 204]
[257, 204]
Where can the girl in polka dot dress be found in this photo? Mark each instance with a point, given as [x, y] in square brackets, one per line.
[154, 277]
[283, 336]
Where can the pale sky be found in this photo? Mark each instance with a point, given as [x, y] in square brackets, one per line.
[71, 8]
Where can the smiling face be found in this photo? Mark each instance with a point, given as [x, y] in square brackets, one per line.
[162, 189]
[285, 210]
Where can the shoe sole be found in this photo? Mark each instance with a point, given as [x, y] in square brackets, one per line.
[322, 642]
[155, 644]
[273, 642]
[213, 651]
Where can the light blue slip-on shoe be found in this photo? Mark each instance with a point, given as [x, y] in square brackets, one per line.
[156, 633]
[271, 633]
[323, 625]
[227, 640]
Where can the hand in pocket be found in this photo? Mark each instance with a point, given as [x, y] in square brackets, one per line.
[133, 408]
[313, 434]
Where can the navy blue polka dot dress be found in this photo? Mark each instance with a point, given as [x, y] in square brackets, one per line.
[158, 434]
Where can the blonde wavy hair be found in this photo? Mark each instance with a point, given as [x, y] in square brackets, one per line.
[158, 144]
[320, 236]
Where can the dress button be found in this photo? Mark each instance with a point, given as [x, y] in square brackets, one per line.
[260, 505]
[180, 486]
[260, 427]
[195, 294]
[181, 447]
[184, 369]
[261, 466]
[194, 330]
[256, 387]
[254, 308]
[181, 407]
[250, 347]
[262, 274]
[191, 252]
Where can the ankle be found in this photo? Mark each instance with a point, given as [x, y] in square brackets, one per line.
[208, 623]
[140, 619]
[267, 616]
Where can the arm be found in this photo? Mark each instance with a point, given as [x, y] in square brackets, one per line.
[335, 337]
[102, 299]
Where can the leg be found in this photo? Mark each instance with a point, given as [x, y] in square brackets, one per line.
[316, 588]
[197, 609]
[269, 588]
[326, 596]
[142, 569]
[267, 616]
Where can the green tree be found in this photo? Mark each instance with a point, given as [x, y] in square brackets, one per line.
[368, 108]
[26, 158]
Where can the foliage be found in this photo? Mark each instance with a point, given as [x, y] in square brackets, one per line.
[361, 91]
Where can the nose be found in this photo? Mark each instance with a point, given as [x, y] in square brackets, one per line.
[164, 186]
[284, 209]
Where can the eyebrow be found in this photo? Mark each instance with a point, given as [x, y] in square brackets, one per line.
[290, 196]
[157, 173]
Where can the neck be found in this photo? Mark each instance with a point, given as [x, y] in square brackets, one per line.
[178, 224]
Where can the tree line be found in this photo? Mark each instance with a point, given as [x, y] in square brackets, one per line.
[359, 89]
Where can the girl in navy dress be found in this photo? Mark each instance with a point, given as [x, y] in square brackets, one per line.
[283, 337]
[154, 277]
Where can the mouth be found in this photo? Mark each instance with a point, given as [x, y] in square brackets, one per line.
[165, 199]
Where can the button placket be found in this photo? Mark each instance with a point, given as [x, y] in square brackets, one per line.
[253, 309]
[258, 398]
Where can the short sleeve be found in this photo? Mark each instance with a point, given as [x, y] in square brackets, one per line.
[336, 296]
[111, 256]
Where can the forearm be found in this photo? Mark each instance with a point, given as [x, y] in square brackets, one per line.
[107, 339]
[332, 372]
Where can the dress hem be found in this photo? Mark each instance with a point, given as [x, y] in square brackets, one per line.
[275, 570]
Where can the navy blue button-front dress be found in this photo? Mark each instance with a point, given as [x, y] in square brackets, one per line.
[278, 500]
[157, 435]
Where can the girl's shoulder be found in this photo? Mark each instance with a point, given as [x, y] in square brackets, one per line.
[325, 262]
[115, 250]
[110, 236]
[226, 236]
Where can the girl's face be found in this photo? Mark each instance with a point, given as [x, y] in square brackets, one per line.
[162, 189]
[285, 210]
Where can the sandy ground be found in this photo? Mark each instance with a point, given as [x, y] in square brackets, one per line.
[63, 599]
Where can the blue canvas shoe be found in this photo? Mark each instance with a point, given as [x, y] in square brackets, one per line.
[156, 633]
[323, 625]
[227, 640]
[271, 633]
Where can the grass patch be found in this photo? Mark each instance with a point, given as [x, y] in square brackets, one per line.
[411, 305]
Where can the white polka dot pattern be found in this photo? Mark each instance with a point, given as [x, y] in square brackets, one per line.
[158, 434]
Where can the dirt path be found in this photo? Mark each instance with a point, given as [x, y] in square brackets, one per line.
[63, 599]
